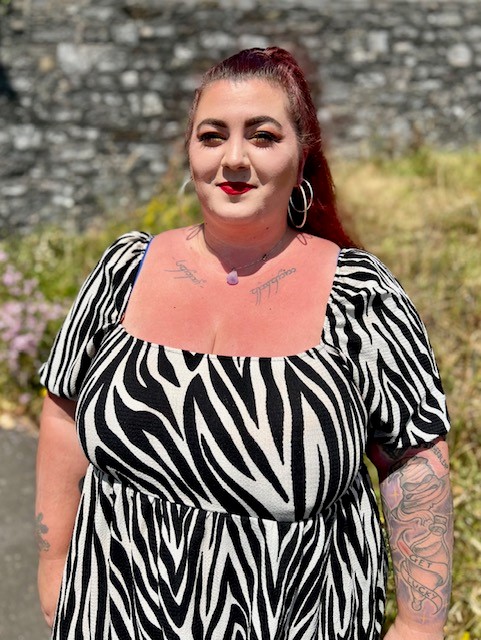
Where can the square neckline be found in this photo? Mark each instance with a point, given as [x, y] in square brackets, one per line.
[319, 347]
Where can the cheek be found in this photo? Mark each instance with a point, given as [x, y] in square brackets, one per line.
[283, 171]
[202, 165]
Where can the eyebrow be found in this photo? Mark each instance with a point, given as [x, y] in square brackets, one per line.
[248, 123]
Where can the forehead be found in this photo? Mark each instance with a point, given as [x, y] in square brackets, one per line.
[232, 99]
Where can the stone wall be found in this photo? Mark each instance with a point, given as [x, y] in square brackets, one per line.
[94, 93]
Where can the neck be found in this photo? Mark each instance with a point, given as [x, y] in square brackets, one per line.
[238, 247]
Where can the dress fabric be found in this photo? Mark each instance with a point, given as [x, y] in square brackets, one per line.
[227, 497]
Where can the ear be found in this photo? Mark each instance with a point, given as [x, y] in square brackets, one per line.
[302, 162]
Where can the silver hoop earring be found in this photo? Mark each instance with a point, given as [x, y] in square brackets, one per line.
[183, 186]
[307, 202]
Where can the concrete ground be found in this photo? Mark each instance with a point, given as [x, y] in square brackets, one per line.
[20, 617]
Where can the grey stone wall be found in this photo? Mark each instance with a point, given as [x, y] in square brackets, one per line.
[94, 93]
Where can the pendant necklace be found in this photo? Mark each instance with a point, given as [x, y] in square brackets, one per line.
[233, 277]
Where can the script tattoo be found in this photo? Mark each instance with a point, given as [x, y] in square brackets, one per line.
[185, 272]
[273, 282]
[439, 456]
[421, 554]
[40, 530]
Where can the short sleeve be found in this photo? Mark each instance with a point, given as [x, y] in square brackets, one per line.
[96, 310]
[384, 342]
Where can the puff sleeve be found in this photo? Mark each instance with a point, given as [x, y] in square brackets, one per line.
[96, 310]
[385, 345]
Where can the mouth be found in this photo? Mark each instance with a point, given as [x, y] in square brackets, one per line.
[235, 188]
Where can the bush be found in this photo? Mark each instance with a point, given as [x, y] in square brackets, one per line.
[26, 317]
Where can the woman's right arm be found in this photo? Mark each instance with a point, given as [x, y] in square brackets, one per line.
[61, 466]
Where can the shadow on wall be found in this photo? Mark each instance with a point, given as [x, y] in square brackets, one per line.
[6, 88]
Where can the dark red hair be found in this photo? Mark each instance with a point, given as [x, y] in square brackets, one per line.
[279, 66]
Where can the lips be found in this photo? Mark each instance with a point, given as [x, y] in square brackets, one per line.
[235, 188]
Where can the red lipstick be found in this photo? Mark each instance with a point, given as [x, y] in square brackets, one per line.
[235, 188]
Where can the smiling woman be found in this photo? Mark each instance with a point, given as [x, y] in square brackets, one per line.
[222, 428]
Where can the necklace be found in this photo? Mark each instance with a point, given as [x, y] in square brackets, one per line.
[232, 276]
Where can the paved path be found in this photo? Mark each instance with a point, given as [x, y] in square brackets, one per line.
[20, 617]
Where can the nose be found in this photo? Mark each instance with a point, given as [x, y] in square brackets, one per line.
[235, 156]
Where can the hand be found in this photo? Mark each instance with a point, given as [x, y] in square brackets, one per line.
[400, 630]
[49, 580]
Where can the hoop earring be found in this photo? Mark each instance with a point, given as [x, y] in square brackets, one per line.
[307, 202]
[183, 186]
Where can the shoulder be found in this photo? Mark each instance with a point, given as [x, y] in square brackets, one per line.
[128, 245]
[171, 242]
[124, 252]
[364, 269]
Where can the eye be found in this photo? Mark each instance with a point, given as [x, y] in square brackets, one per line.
[210, 138]
[264, 138]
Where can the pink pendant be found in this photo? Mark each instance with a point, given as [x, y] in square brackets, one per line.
[232, 277]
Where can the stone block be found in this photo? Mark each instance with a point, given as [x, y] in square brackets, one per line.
[126, 33]
[216, 40]
[26, 136]
[152, 105]
[70, 152]
[444, 18]
[248, 41]
[46, 64]
[14, 190]
[378, 41]
[460, 55]
[83, 58]
[130, 79]
[98, 13]
[66, 115]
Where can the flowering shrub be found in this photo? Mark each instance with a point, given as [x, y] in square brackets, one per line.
[27, 324]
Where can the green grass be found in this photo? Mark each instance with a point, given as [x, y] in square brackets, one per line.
[421, 214]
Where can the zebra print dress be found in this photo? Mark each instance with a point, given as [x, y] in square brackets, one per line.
[227, 498]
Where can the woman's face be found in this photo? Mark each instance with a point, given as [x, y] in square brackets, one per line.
[244, 155]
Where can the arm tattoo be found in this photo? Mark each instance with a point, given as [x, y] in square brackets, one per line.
[184, 272]
[273, 282]
[40, 530]
[418, 508]
[439, 456]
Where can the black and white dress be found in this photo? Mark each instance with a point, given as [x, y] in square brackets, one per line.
[227, 498]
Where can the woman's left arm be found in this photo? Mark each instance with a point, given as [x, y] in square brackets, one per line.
[417, 504]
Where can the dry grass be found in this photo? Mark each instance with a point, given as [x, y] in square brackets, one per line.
[422, 216]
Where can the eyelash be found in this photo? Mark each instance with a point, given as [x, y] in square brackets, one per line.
[262, 138]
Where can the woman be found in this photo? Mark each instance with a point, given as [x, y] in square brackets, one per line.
[225, 494]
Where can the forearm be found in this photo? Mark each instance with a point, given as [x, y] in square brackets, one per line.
[61, 465]
[418, 510]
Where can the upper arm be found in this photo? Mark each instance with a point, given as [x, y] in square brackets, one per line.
[96, 309]
[59, 452]
[389, 354]
[56, 408]
[388, 460]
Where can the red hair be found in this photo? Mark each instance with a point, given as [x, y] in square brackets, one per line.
[279, 66]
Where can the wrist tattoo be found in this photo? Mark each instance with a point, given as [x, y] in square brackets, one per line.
[40, 530]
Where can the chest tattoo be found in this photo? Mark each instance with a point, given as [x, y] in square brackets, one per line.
[271, 286]
[184, 272]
